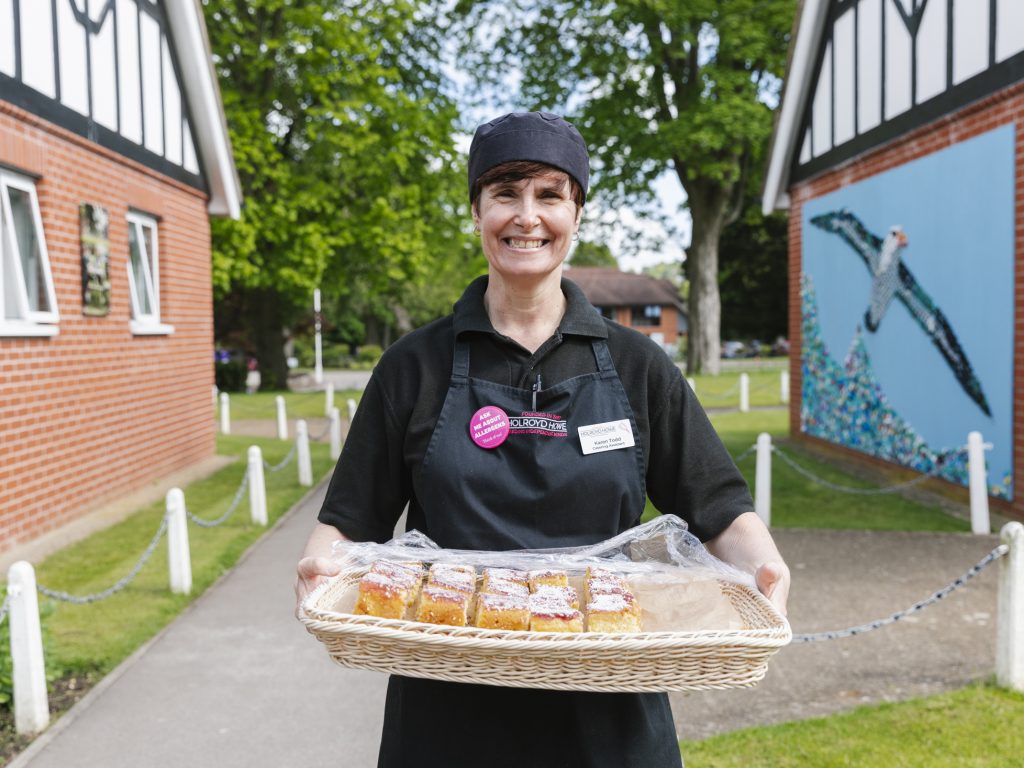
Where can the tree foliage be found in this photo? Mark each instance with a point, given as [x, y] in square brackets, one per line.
[655, 86]
[588, 254]
[343, 141]
[753, 271]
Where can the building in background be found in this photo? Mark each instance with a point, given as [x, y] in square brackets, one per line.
[113, 153]
[899, 153]
[641, 302]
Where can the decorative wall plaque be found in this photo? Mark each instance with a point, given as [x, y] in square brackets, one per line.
[95, 221]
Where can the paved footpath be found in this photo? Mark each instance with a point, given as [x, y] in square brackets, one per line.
[236, 680]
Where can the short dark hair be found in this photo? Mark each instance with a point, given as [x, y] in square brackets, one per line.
[517, 170]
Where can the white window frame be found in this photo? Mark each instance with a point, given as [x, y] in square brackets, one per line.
[28, 322]
[146, 323]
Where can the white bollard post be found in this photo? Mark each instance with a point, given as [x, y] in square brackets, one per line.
[328, 399]
[351, 410]
[179, 561]
[302, 453]
[784, 386]
[693, 383]
[257, 487]
[31, 706]
[282, 418]
[763, 479]
[1010, 610]
[978, 481]
[335, 433]
[225, 414]
[744, 393]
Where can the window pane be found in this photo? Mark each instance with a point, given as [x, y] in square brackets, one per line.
[138, 271]
[28, 250]
[11, 310]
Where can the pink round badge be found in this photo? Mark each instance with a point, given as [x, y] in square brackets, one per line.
[489, 426]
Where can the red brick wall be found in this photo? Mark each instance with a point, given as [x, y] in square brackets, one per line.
[668, 327]
[1002, 108]
[95, 411]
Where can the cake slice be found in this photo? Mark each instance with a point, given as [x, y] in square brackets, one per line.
[613, 613]
[496, 611]
[566, 595]
[439, 605]
[504, 575]
[549, 613]
[554, 578]
[384, 596]
[461, 578]
[494, 586]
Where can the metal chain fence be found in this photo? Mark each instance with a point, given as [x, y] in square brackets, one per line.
[973, 571]
[284, 462]
[807, 474]
[746, 453]
[230, 511]
[116, 587]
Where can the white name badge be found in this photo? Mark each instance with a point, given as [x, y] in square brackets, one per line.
[609, 436]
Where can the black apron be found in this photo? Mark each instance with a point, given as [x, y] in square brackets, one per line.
[535, 490]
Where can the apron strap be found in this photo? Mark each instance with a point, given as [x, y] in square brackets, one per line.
[604, 358]
[460, 365]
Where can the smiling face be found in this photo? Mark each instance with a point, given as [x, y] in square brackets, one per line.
[526, 225]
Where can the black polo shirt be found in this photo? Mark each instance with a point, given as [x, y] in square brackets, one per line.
[689, 472]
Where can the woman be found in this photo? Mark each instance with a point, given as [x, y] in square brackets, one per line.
[526, 341]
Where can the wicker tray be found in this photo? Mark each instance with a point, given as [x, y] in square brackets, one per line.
[588, 661]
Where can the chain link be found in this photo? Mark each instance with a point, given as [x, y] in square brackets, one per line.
[4, 608]
[721, 395]
[974, 570]
[284, 462]
[746, 453]
[119, 585]
[233, 506]
[323, 434]
[849, 489]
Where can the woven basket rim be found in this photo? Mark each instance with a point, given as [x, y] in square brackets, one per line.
[319, 622]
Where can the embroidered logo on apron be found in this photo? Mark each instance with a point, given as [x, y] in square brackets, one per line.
[537, 423]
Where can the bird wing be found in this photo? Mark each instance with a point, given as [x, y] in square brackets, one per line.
[850, 228]
[934, 323]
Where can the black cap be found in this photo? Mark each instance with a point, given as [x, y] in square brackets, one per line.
[538, 136]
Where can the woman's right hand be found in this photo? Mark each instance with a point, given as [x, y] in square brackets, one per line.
[316, 563]
[310, 573]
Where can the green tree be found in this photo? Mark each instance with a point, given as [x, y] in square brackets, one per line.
[588, 254]
[753, 272]
[655, 86]
[343, 140]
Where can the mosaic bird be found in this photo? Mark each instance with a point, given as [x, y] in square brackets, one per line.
[892, 279]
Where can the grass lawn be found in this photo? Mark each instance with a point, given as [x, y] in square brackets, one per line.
[77, 643]
[801, 503]
[303, 405]
[976, 726]
[723, 390]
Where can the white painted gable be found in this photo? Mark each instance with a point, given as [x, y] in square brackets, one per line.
[864, 71]
[138, 68]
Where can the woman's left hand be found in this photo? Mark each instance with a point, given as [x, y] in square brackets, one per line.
[772, 579]
[747, 543]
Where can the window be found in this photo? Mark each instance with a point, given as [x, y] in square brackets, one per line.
[649, 315]
[144, 275]
[28, 306]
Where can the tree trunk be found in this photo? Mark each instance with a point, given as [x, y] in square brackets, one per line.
[264, 323]
[707, 207]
